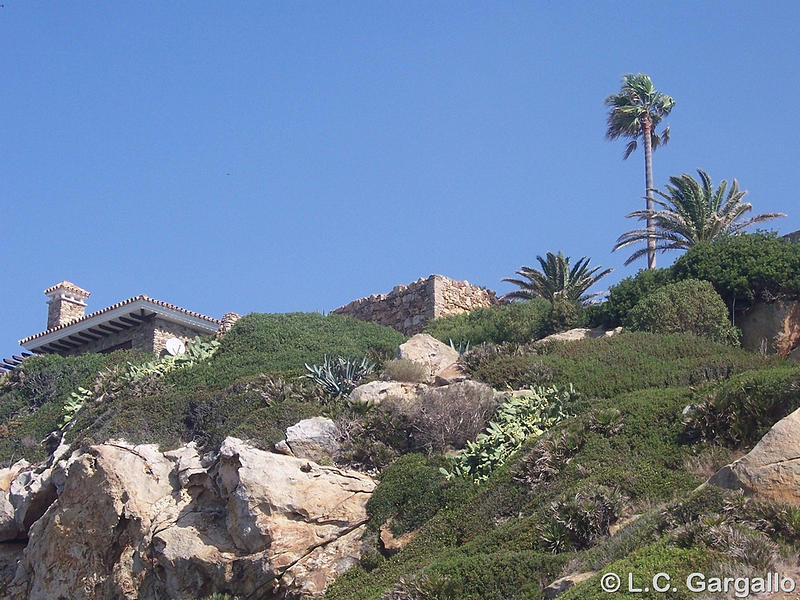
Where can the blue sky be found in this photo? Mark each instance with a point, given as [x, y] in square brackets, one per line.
[294, 156]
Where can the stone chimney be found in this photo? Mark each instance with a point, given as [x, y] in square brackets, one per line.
[67, 303]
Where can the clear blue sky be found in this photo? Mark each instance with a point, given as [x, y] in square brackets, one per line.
[294, 156]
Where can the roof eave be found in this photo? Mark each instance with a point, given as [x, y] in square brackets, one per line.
[170, 314]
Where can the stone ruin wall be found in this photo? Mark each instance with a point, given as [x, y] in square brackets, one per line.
[408, 308]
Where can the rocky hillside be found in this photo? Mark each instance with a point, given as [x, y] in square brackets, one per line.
[264, 467]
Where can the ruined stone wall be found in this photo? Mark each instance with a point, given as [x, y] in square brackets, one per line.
[408, 308]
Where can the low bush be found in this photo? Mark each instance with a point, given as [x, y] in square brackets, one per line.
[404, 370]
[689, 306]
[33, 397]
[285, 343]
[514, 322]
[438, 420]
[643, 564]
[619, 364]
[738, 412]
[411, 491]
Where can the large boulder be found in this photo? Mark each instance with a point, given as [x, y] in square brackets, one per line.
[772, 468]
[429, 352]
[131, 522]
[316, 438]
[577, 334]
[375, 392]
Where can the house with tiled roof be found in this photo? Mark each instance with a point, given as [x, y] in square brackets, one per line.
[139, 322]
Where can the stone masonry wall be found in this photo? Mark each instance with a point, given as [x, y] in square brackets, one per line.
[164, 330]
[151, 336]
[140, 336]
[63, 311]
[408, 308]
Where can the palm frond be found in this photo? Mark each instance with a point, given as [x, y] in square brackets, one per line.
[691, 211]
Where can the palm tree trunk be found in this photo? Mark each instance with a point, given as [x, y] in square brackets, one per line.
[647, 129]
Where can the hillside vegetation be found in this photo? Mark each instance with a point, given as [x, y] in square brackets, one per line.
[594, 465]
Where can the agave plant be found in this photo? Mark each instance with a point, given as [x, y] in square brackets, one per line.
[557, 279]
[691, 212]
[339, 376]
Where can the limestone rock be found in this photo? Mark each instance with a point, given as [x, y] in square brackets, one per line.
[132, 523]
[9, 529]
[452, 374]
[579, 333]
[374, 392]
[391, 543]
[772, 468]
[10, 555]
[559, 586]
[429, 352]
[315, 439]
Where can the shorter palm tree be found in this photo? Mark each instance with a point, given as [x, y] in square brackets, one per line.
[691, 212]
[557, 279]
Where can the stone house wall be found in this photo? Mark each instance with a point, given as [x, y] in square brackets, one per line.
[151, 336]
[164, 330]
[140, 336]
[408, 308]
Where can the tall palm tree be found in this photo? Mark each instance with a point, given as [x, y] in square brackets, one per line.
[690, 212]
[556, 279]
[634, 113]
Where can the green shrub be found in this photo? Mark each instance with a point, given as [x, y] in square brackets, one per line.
[745, 268]
[285, 343]
[514, 322]
[689, 306]
[643, 564]
[622, 363]
[33, 397]
[623, 296]
[738, 412]
[411, 491]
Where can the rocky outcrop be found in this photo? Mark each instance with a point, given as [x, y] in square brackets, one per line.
[430, 353]
[772, 327]
[375, 392]
[316, 439]
[130, 522]
[579, 333]
[772, 468]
